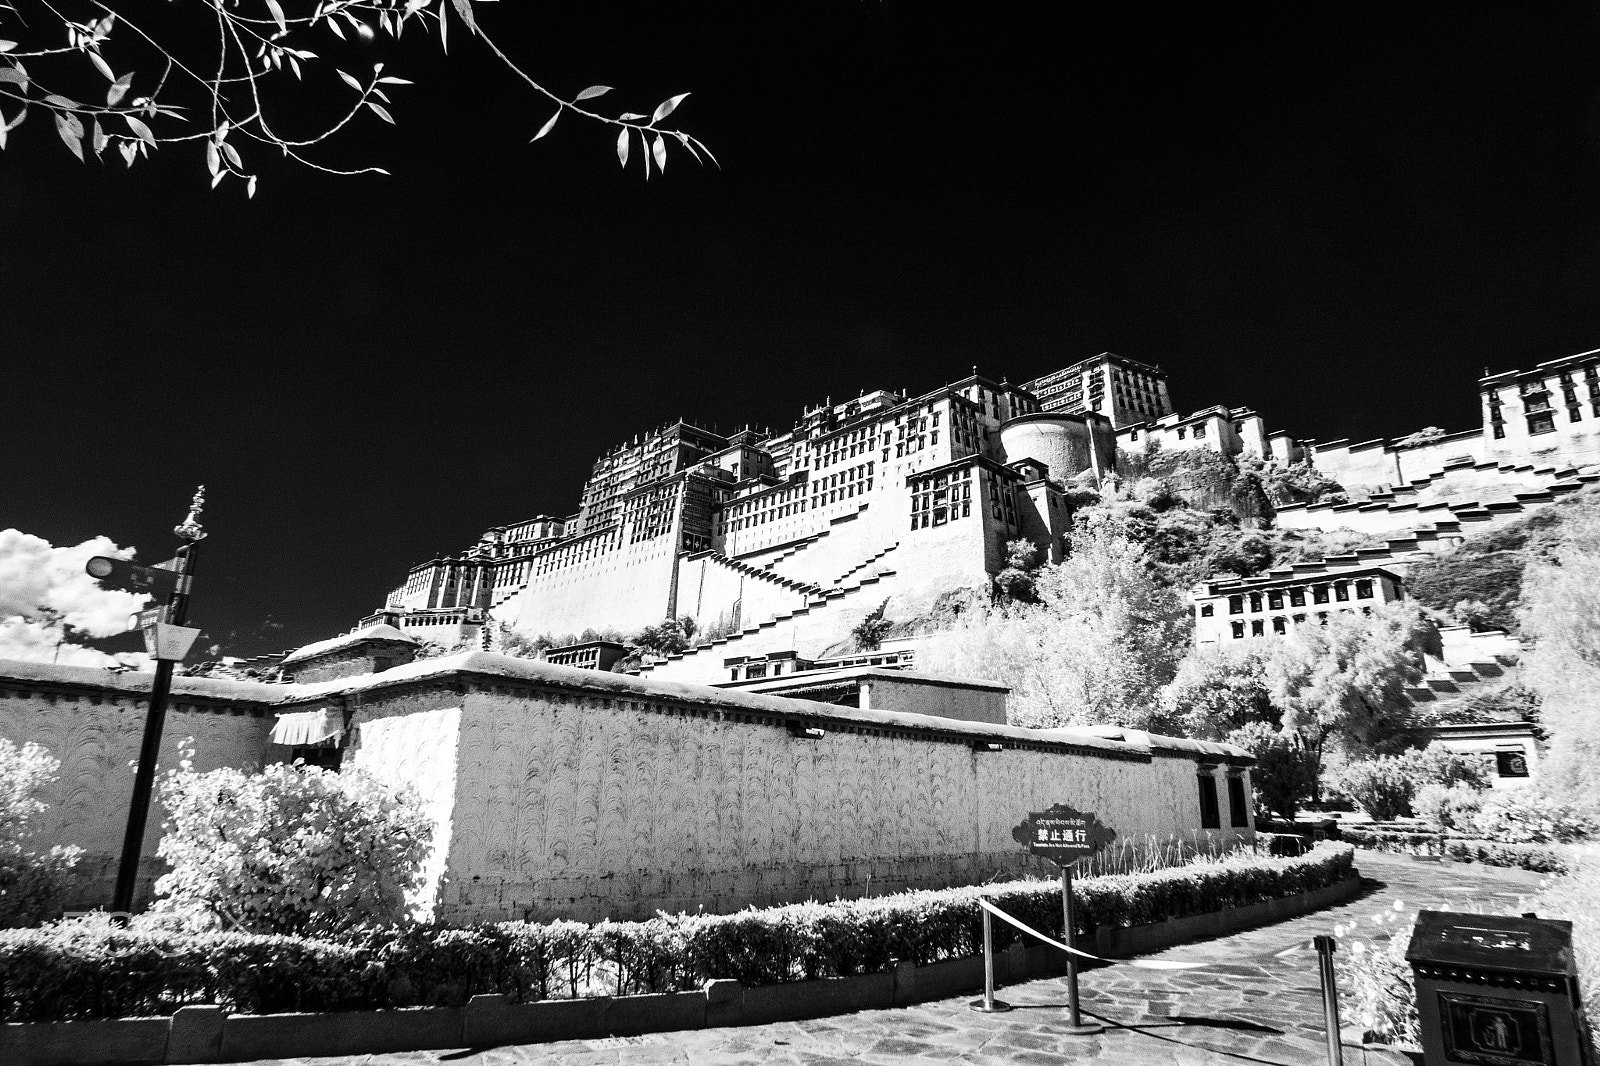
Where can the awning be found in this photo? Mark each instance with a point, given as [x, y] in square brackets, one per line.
[307, 727]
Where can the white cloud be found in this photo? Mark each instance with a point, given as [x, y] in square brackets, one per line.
[34, 574]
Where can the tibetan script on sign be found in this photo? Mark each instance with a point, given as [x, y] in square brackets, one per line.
[1062, 834]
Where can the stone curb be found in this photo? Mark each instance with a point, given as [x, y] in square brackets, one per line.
[205, 1034]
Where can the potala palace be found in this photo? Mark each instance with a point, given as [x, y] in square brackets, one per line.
[782, 542]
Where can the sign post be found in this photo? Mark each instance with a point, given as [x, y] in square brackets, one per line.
[168, 641]
[1065, 835]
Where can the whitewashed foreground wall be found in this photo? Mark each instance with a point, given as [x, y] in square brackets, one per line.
[585, 795]
[568, 793]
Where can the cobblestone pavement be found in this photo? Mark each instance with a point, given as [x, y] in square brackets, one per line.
[1252, 1005]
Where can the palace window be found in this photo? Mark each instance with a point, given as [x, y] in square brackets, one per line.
[1278, 626]
[1275, 599]
[1210, 816]
[1207, 610]
[1297, 597]
[1183, 432]
[1238, 811]
[1258, 628]
[1236, 605]
[1364, 590]
[1573, 413]
[1255, 601]
[1341, 591]
[1541, 423]
[1238, 631]
[1199, 431]
[1319, 594]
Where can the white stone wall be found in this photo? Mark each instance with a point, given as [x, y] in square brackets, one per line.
[628, 588]
[589, 806]
[97, 737]
[708, 587]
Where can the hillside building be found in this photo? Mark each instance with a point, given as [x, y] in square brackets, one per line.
[1273, 604]
[1123, 390]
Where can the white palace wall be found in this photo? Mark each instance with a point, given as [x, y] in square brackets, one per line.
[582, 795]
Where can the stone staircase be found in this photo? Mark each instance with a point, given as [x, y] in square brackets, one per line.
[839, 581]
[1457, 682]
[1396, 509]
[760, 573]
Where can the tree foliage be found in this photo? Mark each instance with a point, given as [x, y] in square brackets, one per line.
[1562, 617]
[292, 849]
[1285, 774]
[31, 882]
[1096, 649]
[219, 76]
[1344, 684]
[1220, 688]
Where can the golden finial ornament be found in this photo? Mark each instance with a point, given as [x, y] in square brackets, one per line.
[189, 529]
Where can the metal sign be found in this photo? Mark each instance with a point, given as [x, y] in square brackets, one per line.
[149, 617]
[119, 573]
[1063, 834]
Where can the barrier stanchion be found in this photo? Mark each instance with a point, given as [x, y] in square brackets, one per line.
[1330, 999]
[1069, 935]
[988, 1004]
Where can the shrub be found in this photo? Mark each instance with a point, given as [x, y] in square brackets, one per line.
[1531, 815]
[1382, 786]
[1447, 808]
[89, 968]
[289, 850]
[1540, 858]
[31, 883]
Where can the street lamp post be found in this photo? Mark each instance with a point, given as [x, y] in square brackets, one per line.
[167, 651]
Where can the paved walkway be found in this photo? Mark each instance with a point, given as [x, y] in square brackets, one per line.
[1251, 1006]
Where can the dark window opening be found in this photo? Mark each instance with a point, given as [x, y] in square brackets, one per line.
[1238, 810]
[1210, 815]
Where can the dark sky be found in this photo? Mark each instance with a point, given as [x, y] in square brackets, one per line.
[1338, 214]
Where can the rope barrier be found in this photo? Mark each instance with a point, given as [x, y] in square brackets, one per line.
[1143, 964]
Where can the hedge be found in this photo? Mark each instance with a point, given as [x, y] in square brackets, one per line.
[84, 970]
[1539, 858]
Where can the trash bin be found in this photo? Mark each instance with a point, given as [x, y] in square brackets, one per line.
[1496, 990]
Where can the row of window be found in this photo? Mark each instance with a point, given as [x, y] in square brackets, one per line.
[1273, 599]
[1280, 624]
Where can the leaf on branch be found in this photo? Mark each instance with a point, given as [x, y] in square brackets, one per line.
[100, 139]
[119, 89]
[667, 107]
[233, 155]
[61, 101]
[622, 148]
[71, 131]
[213, 158]
[14, 75]
[140, 130]
[547, 127]
[659, 150]
[277, 13]
[444, 28]
[591, 92]
[464, 9]
[250, 187]
[6, 46]
[216, 178]
[4, 130]
[348, 80]
[130, 151]
[333, 24]
[629, 116]
[102, 66]
[378, 110]
[395, 81]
